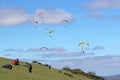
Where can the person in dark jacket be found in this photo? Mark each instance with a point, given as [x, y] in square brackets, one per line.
[29, 66]
[17, 61]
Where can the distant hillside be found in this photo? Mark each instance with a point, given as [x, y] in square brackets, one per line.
[114, 77]
[39, 72]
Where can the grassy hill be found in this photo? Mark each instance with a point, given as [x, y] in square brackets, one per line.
[39, 72]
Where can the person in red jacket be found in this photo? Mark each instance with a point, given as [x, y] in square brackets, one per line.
[15, 62]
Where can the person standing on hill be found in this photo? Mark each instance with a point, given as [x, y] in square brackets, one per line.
[17, 61]
[29, 66]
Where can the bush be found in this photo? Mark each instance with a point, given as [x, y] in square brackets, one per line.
[66, 68]
[91, 75]
[35, 62]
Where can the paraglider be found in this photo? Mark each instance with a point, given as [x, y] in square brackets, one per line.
[49, 32]
[64, 22]
[81, 45]
[35, 23]
[43, 48]
[38, 18]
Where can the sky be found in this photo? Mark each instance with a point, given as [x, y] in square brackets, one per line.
[25, 33]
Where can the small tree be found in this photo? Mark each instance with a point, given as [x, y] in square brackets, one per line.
[91, 73]
[35, 62]
[66, 68]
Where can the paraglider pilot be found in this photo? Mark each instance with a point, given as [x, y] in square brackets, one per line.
[29, 66]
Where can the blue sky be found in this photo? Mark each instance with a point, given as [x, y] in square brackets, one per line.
[93, 21]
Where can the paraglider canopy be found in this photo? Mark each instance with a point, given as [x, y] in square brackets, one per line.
[51, 31]
[43, 48]
[81, 45]
[64, 21]
[36, 22]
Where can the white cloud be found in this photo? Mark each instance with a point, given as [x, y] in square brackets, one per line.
[65, 55]
[54, 49]
[57, 49]
[95, 7]
[99, 15]
[11, 16]
[33, 50]
[97, 4]
[14, 50]
[52, 16]
[41, 49]
[95, 14]
[98, 48]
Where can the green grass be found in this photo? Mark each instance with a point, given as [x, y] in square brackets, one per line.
[39, 72]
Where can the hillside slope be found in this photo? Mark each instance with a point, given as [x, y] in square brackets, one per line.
[39, 72]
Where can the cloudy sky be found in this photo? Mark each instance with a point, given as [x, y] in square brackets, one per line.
[25, 33]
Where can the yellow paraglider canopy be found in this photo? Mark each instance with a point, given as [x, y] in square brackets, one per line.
[51, 31]
[81, 46]
[83, 43]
